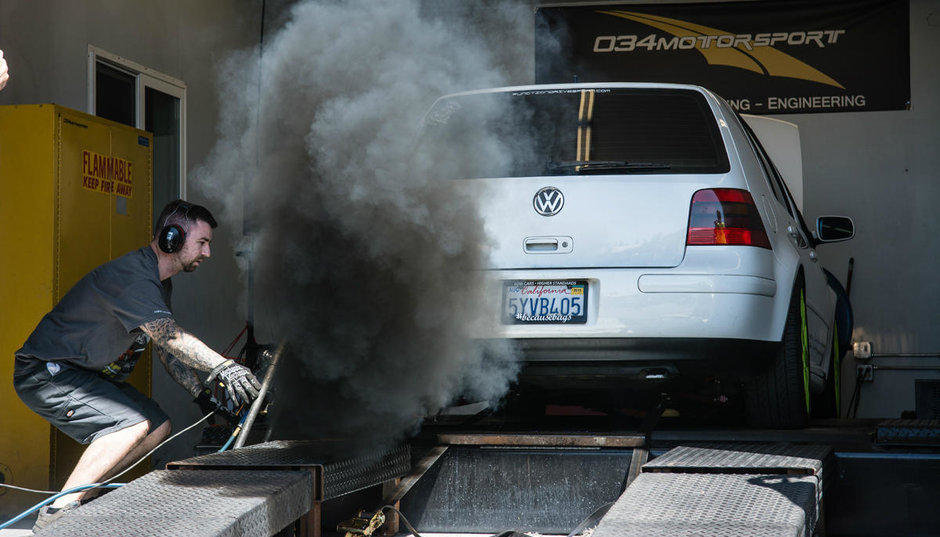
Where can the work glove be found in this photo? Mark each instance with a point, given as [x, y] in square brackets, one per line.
[208, 404]
[240, 385]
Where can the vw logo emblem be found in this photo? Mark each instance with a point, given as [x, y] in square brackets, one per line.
[548, 201]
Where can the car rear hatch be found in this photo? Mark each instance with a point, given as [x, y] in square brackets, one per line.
[598, 177]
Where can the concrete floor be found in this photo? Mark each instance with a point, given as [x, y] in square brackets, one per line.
[21, 529]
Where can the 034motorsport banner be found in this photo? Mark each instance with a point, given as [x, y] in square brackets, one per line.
[774, 57]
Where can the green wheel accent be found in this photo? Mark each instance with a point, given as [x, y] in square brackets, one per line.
[804, 348]
[836, 369]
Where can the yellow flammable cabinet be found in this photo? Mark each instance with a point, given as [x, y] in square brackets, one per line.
[75, 192]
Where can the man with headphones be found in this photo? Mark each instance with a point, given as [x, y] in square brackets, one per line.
[71, 369]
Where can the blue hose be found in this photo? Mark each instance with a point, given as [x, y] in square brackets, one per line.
[231, 439]
[47, 501]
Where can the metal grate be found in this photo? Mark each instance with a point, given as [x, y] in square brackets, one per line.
[349, 475]
[909, 432]
[193, 503]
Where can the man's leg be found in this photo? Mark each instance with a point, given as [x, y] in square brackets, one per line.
[149, 442]
[101, 457]
[158, 435]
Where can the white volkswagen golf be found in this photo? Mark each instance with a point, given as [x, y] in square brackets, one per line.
[643, 231]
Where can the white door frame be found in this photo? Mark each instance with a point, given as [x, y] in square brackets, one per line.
[145, 77]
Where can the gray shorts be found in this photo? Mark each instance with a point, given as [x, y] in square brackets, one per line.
[79, 402]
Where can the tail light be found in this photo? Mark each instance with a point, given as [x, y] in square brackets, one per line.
[725, 216]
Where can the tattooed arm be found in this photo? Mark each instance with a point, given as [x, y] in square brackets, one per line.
[181, 345]
[183, 375]
[240, 384]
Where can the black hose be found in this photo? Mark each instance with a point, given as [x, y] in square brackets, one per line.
[857, 396]
[848, 277]
[403, 519]
[855, 393]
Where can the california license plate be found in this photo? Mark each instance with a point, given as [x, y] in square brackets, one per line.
[545, 302]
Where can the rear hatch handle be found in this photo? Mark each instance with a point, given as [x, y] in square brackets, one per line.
[548, 245]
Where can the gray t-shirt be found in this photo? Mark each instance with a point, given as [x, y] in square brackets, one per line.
[98, 320]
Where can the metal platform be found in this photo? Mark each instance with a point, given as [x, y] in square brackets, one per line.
[257, 490]
[700, 482]
[724, 490]
[333, 476]
[680, 505]
[183, 503]
[742, 458]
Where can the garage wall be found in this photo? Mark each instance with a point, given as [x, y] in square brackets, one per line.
[46, 43]
[882, 169]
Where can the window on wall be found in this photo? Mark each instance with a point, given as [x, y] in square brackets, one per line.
[127, 92]
[162, 118]
[115, 94]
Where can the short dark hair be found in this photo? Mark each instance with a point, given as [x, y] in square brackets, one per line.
[183, 214]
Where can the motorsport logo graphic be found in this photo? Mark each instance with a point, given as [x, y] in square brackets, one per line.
[744, 51]
[772, 57]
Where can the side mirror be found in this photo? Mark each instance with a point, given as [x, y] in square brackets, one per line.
[834, 228]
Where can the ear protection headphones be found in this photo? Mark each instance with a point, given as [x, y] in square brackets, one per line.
[172, 237]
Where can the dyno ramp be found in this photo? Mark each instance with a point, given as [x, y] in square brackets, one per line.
[735, 490]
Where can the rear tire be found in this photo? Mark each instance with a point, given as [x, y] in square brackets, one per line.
[777, 398]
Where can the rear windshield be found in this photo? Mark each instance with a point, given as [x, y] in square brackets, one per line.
[559, 132]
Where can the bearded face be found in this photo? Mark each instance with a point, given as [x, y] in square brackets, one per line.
[196, 248]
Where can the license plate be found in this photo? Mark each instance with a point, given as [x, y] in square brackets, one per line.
[545, 302]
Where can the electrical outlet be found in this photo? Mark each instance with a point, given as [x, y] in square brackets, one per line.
[861, 350]
[866, 372]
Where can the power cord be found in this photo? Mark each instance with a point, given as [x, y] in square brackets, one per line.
[403, 519]
[24, 489]
[851, 411]
[160, 445]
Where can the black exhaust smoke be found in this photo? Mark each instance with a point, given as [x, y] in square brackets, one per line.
[365, 261]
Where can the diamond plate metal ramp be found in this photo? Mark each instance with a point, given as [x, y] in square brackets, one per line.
[713, 505]
[723, 490]
[742, 458]
[256, 490]
[333, 476]
[218, 503]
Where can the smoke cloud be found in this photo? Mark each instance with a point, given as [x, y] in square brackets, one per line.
[365, 259]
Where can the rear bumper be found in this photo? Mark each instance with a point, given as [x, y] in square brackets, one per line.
[729, 293]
